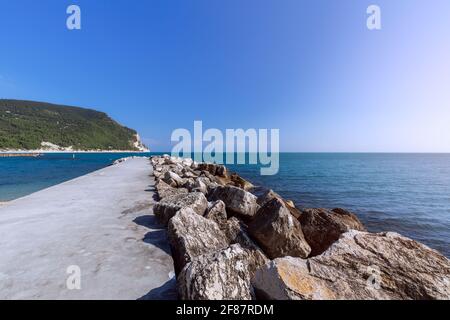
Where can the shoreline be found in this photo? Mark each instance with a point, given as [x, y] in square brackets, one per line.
[67, 151]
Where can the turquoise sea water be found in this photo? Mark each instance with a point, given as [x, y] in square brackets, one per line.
[406, 193]
[24, 175]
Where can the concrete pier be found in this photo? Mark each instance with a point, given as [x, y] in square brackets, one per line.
[101, 223]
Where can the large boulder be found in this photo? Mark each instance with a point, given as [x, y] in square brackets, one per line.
[267, 196]
[157, 161]
[189, 183]
[187, 172]
[167, 207]
[217, 212]
[277, 232]
[222, 275]
[240, 182]
[270, 194]
[236, 232]
[190, 235]
[288, 279]
[359, 266]
[214, 169]
[164, 190]
[158, 175]
[187, 162]
[200, 186]
[168, 160]
[173, 179]
[207, 177]
[237, 200]
[322, 227]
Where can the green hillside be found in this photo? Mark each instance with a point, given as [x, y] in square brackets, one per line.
[25, 124]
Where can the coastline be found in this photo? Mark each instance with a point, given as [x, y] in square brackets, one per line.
[69, 151]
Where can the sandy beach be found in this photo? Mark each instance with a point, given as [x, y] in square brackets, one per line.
[101, 222]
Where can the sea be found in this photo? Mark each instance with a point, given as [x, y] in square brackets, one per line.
[405, 193]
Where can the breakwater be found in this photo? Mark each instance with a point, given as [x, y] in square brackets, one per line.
[227, 243]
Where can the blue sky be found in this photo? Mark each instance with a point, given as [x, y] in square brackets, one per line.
[310, 68]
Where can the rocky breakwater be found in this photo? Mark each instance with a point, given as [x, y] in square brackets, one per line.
[229, 244]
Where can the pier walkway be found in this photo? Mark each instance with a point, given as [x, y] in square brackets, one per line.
[94, 237]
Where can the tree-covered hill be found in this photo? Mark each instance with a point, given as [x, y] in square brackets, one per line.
[26, 124]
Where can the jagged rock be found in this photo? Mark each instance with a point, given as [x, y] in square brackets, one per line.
[187, 162]
[350, 218]
[211, 186]
[175, 161]
[217, 212]
[157, 161]
[170, 182]
[167, 207]
[172, 192]
[270, 194]
[233, 230]
[191, 235]
[189, 184]
[194, 165]
[223, 275]
[188, 173]
[267, 196]
[200, 186]
[322, 227]
[170, 177]
[236, 232]
[168, 160]
[237, 200]
[158, 175]
[221, 171]
[177, 168]
[277, 232]
[164, 190]
[289, 203]
[162, 185]
[208, 177]
[214, 169]
[288, 279]
[204, 179]
[360, 266]
[240, 182]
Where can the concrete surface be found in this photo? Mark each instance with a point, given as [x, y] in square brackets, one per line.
[102, 223]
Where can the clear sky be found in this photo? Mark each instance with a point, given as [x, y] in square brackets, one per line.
[310, 68]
